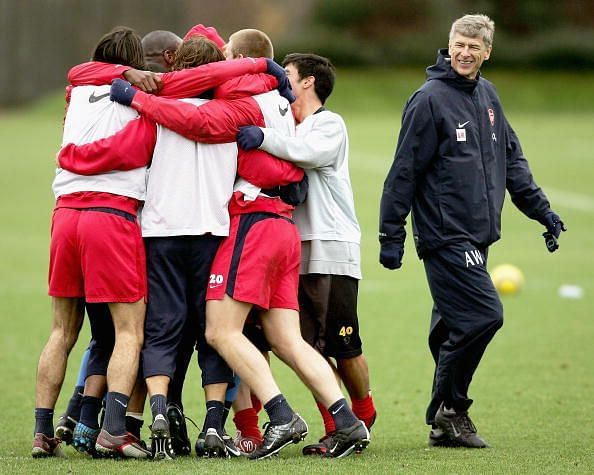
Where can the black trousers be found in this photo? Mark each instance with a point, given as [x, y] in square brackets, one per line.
[178, 269]
[466, 315]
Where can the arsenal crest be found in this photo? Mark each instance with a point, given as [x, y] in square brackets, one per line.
[492, 117]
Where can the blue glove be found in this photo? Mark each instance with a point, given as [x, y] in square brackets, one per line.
[250, 137]
[391, 255]
[553, 223]
[284, 86]
[122, 92]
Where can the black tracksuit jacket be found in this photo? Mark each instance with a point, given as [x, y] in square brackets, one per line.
[456, 156]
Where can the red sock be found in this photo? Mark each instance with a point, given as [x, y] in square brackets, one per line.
[327, 417]
[256, 403]
[246, 422]
[364, 409]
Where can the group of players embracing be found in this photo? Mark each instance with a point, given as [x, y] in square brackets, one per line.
[203, 200]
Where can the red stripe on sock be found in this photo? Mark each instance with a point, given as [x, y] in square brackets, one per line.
[246, 422]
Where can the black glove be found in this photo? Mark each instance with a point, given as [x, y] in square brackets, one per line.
[250, 137]
[553, 223]
[295, 193]
[391, 255]
[122, 92]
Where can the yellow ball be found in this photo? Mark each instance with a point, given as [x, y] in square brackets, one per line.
[508, 279]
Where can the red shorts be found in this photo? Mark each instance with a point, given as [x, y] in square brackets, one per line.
[258, 263]
[97, 255]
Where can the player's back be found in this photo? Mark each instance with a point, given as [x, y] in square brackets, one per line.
[92, 116]
[189, 186]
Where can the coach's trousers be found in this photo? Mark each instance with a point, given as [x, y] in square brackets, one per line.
[466, 315]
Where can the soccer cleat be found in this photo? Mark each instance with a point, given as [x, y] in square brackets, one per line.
[246, 444]
[161, 446]
[232, 449]
[345, 441]
[115, 446]
[64, 428]
[84, 439]
[276, 437]
[459, 428]
[214, 446]
[178, 430]
[321, 447]
[199, 446]
[44, 446]
[438, 438]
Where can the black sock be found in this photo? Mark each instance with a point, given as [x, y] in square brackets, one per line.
[226, 410]
[342, 414]
[44, 421]
[134, 425]
[74, 405]
[278, 410]
[89, 411]
[116, 405]
[174, 394]
[214, 416]
[159, 405]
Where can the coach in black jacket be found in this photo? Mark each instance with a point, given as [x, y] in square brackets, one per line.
[456, 156]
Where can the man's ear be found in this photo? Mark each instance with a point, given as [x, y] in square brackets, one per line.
[309, 81]
[169, 56]
[488, 53]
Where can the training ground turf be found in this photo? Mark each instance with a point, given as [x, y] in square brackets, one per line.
[534, 389]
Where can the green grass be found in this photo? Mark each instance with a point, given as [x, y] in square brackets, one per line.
[533, 390]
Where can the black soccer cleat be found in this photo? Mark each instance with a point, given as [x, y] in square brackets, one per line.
[459, 427]
[199, 446]
[161, 447]
[232, 449]
[438, 438]
[276, 437]
[65, 428]
[346, 441]
[323, 446]
[214, 445]
[178, 430]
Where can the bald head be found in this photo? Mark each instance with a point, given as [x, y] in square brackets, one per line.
[159, 49]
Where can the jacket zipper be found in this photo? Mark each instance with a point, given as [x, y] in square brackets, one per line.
[479, 123]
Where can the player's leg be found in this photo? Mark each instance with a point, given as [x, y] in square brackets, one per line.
[282, 330]
[67, 421]
[68, 316]
[471, 310]
[128, 320]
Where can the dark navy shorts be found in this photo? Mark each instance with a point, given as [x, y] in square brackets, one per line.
[178, 270]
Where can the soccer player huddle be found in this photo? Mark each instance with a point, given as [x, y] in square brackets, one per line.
[203, 201]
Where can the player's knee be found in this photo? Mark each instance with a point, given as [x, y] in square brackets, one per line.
[213, 336]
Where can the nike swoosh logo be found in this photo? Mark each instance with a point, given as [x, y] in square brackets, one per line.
[456, 432]
[336, 412]
[93, 98]
[283, 111]
[121, 403]
[462, 125]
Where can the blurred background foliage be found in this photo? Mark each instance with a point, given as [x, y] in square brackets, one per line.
[41, 39]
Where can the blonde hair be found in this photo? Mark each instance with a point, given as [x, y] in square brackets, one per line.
[251, 43]
[474, 26]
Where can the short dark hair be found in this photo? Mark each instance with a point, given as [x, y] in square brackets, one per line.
[121, 45]
[322, 69]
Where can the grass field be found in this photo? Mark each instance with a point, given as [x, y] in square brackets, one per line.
[534, 390]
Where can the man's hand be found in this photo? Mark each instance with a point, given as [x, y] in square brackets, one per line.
[284, 86]
[553, 223]
[122, 92]
[146, 81]
[295, 193]
[391, 255]
[250, 137]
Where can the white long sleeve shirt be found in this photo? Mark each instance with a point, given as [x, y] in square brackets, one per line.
[327, 222]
